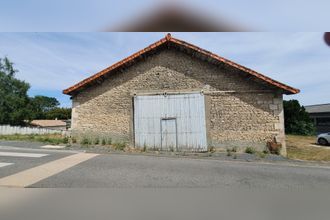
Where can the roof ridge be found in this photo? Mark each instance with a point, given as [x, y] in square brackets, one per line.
[316, 104]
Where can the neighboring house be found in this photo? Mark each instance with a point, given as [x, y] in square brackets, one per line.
[174, 95]
[49, 124]
[321, 116]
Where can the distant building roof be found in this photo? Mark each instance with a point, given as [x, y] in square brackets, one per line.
[318, 108]
[48, 123]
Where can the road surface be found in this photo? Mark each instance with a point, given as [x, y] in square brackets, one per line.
[40, 168]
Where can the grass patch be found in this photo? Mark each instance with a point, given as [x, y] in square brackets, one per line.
[261, 154]
[250, 150]
[45, 138]
[84, 141]
[119, 146]
[299, 147]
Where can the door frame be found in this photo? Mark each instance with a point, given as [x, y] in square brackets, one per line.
[176, 132]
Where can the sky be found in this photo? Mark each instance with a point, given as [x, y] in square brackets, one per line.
[95, 15]
[51, 62]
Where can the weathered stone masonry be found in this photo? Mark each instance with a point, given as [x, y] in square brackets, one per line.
[240, 111]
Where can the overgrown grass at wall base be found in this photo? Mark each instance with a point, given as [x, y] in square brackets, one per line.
[91, 140]
[45, 138]
[97, 138]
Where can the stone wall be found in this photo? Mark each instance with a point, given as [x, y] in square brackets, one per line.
[240, 111]
[255, 117]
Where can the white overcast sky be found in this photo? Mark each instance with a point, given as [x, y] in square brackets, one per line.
[51, 62]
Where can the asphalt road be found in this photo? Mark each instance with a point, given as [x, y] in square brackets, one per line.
[27, 158]
[132, 171]
[145, 171]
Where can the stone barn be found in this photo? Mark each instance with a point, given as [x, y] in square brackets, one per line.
[173, 95]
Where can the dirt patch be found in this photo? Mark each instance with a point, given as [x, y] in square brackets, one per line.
[305, 148]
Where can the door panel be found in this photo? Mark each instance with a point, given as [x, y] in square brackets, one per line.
[188, 110]
[169, 134]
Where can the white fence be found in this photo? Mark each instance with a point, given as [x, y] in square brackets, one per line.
[7, 130]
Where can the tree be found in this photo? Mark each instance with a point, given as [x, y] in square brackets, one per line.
[297, 120]
[16, 107]
[40, 105]
[59, 113]
[13, 95]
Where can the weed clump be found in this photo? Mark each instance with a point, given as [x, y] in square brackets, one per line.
[229, 152]
[84, 141]
[65, 140]
[104, 141]
[119, 146]
[250, 150]
[212, 149]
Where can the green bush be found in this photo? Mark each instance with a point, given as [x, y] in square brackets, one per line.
[84, 141]
[104, 141]
[96, 141]
[297, 120]
[250, 150]
[46, 139]
[65, 140]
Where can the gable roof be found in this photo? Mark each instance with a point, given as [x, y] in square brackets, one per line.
[48, 123]
[322, 108]
[169, 40]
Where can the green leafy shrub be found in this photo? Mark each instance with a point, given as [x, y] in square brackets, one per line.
[104, 141]
[65, 140]
[96, 141]
[297, 120]
[250, 150]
